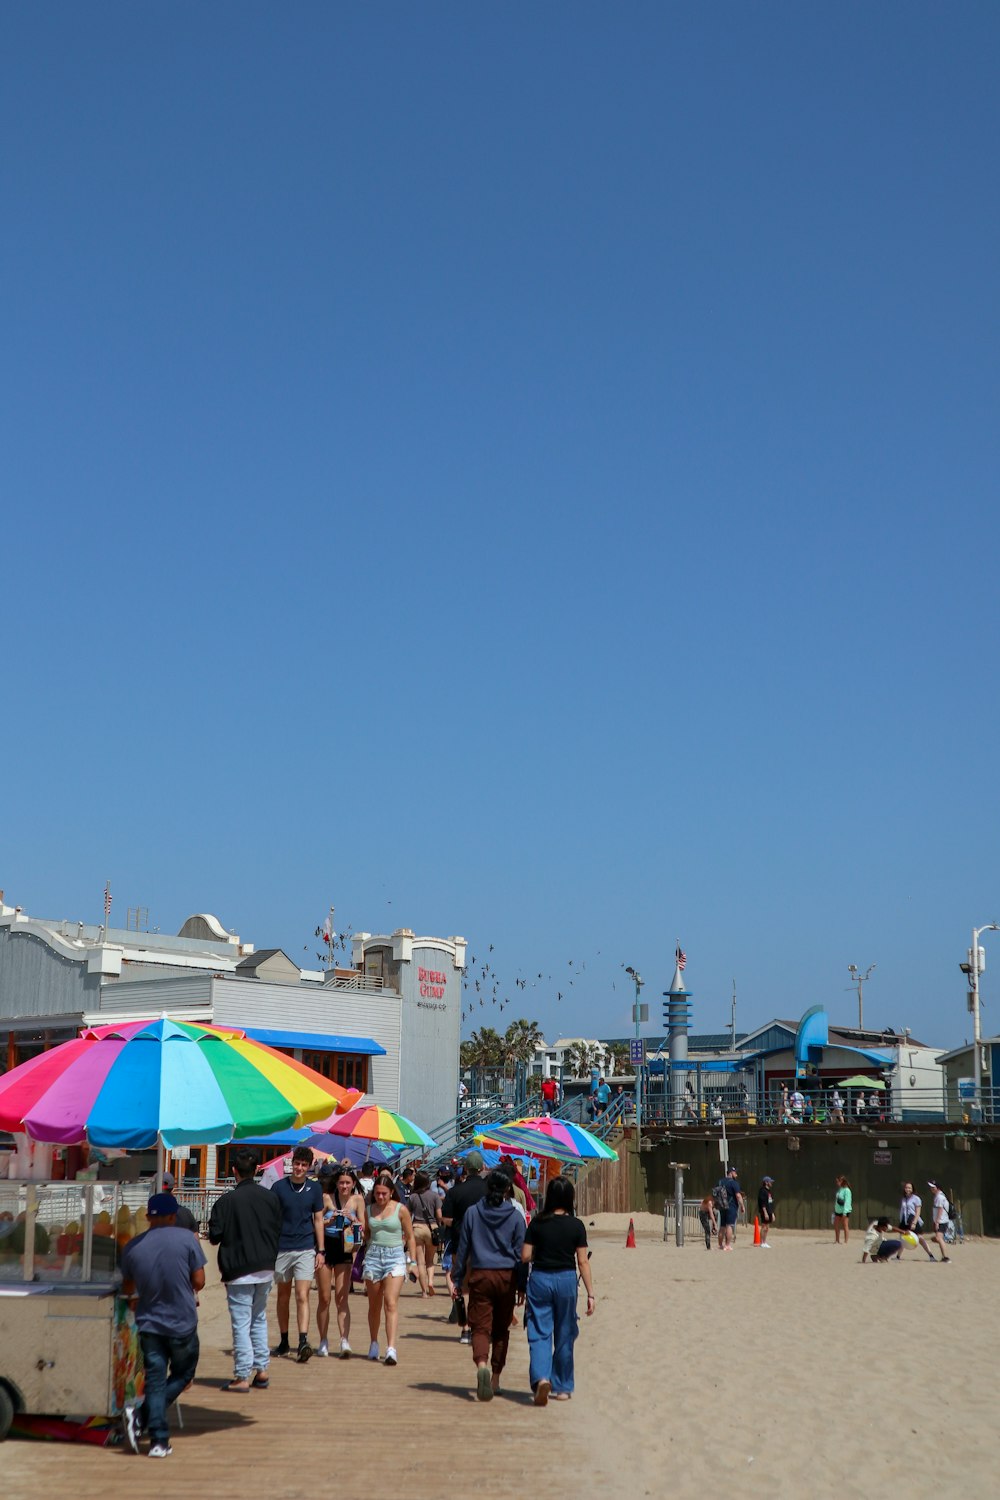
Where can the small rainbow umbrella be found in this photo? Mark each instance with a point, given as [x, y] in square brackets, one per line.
[162, 1083]
[370, 1122]
[560, 1140]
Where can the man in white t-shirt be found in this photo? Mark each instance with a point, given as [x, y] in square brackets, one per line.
[941, 1221]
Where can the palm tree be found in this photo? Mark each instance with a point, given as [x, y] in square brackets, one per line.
[521, 1041]
[581, 1058]
[484, 1049]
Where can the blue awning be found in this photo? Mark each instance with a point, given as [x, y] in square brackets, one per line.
[315, 1041]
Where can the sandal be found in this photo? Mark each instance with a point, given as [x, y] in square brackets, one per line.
[238, 1387]
[260, 1382]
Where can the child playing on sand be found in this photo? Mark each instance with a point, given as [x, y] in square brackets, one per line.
[878, 1247]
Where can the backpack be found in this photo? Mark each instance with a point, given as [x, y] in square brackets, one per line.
[720, 1197]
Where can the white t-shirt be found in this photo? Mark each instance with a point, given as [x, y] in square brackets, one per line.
[940, 1208]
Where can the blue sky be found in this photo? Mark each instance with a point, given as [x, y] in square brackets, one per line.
[521, 471]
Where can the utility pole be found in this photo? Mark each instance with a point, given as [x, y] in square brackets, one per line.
[975, 966]
[860, 980]
[638, 981]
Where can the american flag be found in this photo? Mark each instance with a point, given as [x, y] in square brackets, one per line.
[681, 958]
[107, 900]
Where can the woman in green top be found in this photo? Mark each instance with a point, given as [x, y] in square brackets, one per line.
[843, 1203]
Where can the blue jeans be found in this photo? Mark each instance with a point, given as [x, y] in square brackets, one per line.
[552, 1326]
[248, 1316]
[159, 1351]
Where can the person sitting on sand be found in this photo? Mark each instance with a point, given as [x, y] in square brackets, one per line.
[878, 1246]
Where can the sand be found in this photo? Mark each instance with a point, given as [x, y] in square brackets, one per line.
[792, 1372]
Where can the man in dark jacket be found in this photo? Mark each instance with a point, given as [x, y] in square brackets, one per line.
[246, 1225]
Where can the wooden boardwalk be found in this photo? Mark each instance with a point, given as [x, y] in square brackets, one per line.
[414, 1430]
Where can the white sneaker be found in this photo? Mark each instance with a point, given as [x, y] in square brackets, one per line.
[345, 1349]
[323, 1352]
[160, 1450]
[765, 1246]
[373, 1349]
[390, 1355]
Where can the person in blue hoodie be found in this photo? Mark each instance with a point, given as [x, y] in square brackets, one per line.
[488, 1258]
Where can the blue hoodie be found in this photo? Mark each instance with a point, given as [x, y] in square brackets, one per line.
[491, 1240]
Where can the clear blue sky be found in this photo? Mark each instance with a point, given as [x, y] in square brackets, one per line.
[512, 470]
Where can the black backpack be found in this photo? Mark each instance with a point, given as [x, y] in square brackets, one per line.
[720, 1197]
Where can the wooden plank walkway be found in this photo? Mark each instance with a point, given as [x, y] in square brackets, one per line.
[415, 1430]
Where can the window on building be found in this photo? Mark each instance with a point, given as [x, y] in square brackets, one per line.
[348, 1069]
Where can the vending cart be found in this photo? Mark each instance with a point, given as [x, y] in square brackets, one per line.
[68, 1342]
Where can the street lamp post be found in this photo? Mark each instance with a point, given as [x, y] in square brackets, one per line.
[973, 968]
[860, 980]
[638, 981]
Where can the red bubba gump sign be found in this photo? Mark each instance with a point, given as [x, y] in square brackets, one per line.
[432, 984]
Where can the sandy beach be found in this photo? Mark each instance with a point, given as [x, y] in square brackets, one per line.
[793, 1372]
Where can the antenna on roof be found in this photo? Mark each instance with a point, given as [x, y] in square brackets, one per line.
[860, 980]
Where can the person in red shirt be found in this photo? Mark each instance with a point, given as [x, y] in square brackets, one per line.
[549, 1092]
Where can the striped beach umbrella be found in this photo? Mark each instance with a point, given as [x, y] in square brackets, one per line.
[544, 1135]
[370, 1122]
[163, 1083]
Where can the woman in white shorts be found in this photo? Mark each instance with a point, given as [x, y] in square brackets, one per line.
[389, 1228]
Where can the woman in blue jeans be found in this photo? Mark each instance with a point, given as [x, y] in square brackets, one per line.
[555, 1247]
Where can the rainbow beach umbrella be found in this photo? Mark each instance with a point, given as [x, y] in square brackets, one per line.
[163, 1083]
[370, 1122]
[544, 1135]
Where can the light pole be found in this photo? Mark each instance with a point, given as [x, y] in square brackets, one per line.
[973, 968]
[860, 980]
[638, 981]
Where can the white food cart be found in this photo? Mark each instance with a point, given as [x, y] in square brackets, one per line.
[68, 1343]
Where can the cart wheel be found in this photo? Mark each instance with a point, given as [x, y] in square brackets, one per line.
[6, 1412]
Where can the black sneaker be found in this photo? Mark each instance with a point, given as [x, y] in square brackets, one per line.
[283, 1348]
[131, 1428]
[306, 1352]
[465, 1337]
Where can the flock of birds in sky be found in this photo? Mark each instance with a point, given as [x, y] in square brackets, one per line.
[482, 985]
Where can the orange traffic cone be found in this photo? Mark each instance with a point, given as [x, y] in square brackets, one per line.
[756, 1229]
[630, 1238]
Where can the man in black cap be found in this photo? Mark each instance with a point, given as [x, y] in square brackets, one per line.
[765, 1209]
[185, 1218]
[162, 1270]
[453, 1210]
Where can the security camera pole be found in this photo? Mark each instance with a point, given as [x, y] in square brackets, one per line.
[638, 981]
[973, 968]
[860, 980]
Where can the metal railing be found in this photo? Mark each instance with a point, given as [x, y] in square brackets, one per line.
[949, 1105]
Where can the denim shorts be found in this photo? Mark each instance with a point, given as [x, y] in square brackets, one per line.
[384, 1261]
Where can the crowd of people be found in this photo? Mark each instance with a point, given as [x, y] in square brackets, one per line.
[340, 1229]
[720, 1209]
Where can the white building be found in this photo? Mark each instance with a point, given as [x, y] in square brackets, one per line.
[389, 1025]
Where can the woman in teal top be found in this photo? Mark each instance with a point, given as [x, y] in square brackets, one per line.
[843, 1203]
[389, 1228]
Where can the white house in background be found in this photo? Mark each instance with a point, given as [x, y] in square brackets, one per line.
[550, 1061]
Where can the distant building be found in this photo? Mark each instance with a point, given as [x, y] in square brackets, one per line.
[388, 1025]
[554, 1061]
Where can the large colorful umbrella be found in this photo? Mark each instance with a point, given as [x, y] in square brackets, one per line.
[370, 1122]
[336, 1149]
[545, 1135]
[162, 1083]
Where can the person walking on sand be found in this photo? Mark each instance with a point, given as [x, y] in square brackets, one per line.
[729, 1200]
[162, 1269]
[708, 1219]
[489, 1254]
[843, 1206]
[941, 1221]
[246, 1226]
[765, 1210]
[555, 1251]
